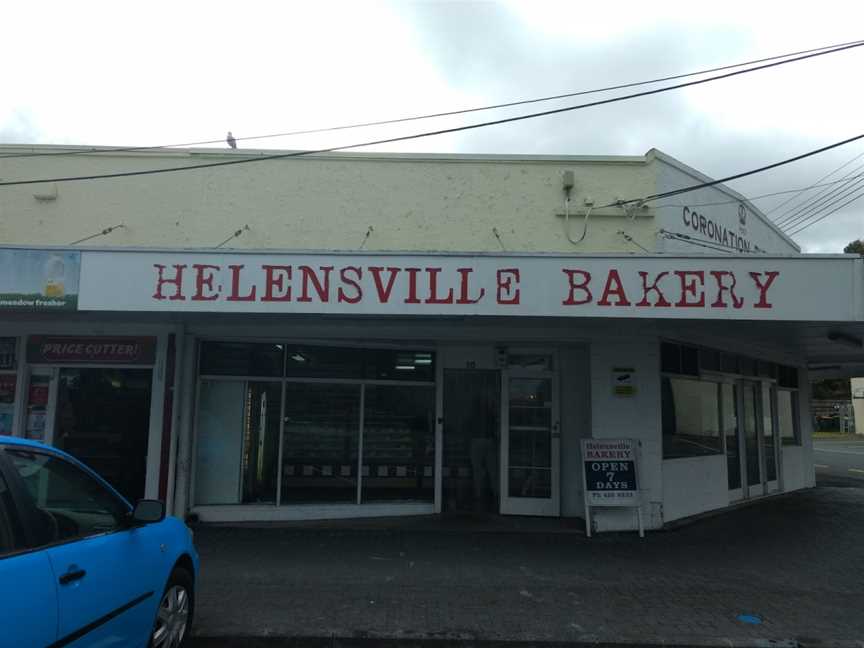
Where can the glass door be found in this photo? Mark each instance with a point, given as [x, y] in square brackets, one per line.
[41, 400]
[732, 439]
[751, 400]
[530, 439]
[770, 440]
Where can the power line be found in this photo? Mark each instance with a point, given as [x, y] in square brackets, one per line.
[827, 175]
[824, 216]
[687, 239]
[702, 185]
[455, 129]
[384, 122]
[849, 190]
[759, 197]
[795, 215]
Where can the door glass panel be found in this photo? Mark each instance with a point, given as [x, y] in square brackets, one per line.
[36, 422]
[260, 441]
[219, 442]
[751, 434]
[398, 443]
[320, 446]
[7, 402]
[529, 472]
[103, 419]
[472, 401]
[768, 440]
[730, 431]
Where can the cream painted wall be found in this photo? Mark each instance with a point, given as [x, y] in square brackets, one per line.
[694, 485]
[324, 202]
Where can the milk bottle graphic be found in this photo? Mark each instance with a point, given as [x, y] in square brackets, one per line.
[55, 275]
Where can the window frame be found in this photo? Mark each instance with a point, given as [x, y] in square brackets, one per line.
[795, 398]
[28, 511]
[716, 380]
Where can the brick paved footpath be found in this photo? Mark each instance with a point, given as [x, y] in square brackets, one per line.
[796, 561]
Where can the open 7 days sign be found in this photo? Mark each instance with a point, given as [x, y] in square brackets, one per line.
[610, 476]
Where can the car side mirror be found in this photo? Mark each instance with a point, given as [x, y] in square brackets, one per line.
[148, 511]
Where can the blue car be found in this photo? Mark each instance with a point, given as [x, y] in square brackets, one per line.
[79, 566]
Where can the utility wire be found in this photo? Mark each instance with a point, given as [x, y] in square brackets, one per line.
[849, 190]
[768, 195]
[449, 113]
[456, 129]
[792, 218]
[702, 185]
[827, 175]
[824, 216]
[686, 239]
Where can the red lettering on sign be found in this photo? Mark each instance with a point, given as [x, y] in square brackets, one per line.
[383, 291]
[737, 302]
[176, 282]
[341, 295]
[275, 279]
[235, 286]
[204, 279]
[583, 286]
[412, 286]
[613, 288]
[321, 287]
[691, 282]
[508, 292]
[433, 289]
[763, 287]
[661, 301]
[463, 287]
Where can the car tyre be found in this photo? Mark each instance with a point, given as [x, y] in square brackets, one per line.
[174, 615]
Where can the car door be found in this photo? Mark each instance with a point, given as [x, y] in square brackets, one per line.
[107, 573]
[28, 596]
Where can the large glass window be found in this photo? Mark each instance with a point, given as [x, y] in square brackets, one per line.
[787, 406]
[254, 395]
[321, 442]
[729, 407]
[398, 443]
[691, 418]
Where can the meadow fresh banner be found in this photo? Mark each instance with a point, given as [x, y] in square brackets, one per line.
[39, 279]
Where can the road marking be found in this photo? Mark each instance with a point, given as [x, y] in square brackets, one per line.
[821, 466]
[817, 449]
[858, 470]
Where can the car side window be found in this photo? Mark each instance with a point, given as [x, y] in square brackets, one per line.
[71, 504]
[11, 533]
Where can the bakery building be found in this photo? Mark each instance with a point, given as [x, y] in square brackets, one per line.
[360, 335]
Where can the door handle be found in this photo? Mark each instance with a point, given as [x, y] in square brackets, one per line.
[71, 575]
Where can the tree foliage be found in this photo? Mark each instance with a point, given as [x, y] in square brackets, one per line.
[855, 247]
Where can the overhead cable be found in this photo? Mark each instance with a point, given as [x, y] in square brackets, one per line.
[456, 129]
[815, 204]
[815, 215]
[827, 175]
[448, 113]
[824, 216]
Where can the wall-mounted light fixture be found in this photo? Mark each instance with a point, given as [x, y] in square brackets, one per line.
[845, 338]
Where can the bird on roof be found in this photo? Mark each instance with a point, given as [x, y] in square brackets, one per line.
[231, 141]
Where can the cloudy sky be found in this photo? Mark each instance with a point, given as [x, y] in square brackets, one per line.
[116, 73]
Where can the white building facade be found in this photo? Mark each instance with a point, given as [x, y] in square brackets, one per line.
[367, 335]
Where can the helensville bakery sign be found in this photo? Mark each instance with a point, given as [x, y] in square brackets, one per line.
[743, 288]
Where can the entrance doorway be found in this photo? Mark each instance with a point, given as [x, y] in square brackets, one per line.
[100, 415]
[752, 444]
[470, 471]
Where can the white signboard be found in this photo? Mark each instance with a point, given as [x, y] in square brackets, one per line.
[610, 476]
[766, 288]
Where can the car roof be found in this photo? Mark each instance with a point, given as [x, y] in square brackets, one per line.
[38, 445]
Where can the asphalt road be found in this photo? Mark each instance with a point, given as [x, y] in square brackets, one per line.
[839, 462]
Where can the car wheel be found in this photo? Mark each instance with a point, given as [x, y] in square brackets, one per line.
[174, 617]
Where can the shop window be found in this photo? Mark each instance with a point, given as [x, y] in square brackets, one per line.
[324, 362]
[788, 377]
[396, 364]
[787, 419]
[679, 359]
[398, 443]
[321, 443]
[691, 418]
[241, 359]
[7, 353]
[7, 402]
[729, 363]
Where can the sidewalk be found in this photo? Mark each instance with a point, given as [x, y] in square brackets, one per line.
[796, 563]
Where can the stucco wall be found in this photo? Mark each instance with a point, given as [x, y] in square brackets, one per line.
[320, 203]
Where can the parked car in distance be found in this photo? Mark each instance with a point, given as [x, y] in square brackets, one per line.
[80, 566]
